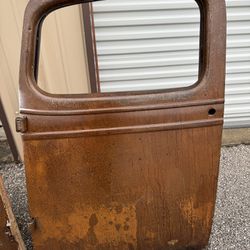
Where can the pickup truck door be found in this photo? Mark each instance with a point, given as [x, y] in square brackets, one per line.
[134, 170]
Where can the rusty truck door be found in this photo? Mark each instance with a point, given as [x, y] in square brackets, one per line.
[123, 170]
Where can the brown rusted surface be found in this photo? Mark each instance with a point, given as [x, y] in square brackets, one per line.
[10, 237]
[134, 170]
[145, 190]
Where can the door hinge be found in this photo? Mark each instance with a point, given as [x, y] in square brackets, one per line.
[32, 225]
[21, 124]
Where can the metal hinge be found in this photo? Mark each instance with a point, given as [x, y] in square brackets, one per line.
[32, 225]
[21, 124]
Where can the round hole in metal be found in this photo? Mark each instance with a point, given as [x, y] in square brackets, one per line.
[212, 111]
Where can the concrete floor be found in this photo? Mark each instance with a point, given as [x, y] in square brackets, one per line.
[5, 154]
[231, 228]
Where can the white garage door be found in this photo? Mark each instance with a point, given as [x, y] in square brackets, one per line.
[145, 44]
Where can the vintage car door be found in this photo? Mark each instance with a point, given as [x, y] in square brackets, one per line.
[135, 170]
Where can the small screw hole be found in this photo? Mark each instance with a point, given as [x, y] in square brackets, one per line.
[212, 111]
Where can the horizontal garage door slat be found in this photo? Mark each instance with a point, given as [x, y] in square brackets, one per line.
[162, 31]
[159, 45]
[133, 5]
[163, 72]
[162, 59]
[145, 44]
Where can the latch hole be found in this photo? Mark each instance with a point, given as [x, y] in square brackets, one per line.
[212, 111]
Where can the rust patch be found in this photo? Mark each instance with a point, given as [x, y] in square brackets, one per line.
[93, 220]
[118, 226]
[196, 213]
[150, 235]
[91, 237]
[95, 226]
[126, 228]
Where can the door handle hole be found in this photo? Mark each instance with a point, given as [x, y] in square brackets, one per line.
[212, 111]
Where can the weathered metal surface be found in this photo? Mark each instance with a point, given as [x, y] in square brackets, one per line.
[124, 171]
[10, 237]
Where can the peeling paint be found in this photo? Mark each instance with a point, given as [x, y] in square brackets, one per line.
[194, 213]
[99, 226]
[172, 242]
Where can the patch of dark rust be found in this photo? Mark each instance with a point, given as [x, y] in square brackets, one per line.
[91, 237]
[118, 226]
[93, 221]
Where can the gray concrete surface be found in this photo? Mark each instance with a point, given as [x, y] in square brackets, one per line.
[5, 152]
[231, 228]
[236, 136]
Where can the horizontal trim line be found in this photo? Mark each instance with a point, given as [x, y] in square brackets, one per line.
[120, 109]
[123, 130]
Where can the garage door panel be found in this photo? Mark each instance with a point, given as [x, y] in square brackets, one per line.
[154, 44]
